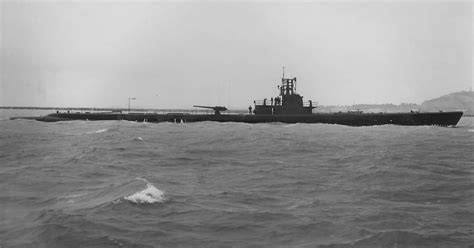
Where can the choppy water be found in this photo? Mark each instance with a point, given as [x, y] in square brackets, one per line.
[125, 184]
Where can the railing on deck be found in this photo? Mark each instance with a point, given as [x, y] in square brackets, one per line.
[269, 103]
[266, 103]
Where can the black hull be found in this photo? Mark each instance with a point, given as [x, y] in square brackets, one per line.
[349, 119]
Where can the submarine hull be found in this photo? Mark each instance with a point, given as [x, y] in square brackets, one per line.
[349, 119]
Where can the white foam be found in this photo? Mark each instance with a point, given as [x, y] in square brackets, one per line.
[139, 138]
[149, 195]
[98, 131]
[471, 130]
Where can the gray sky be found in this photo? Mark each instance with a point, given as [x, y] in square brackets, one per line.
[174, 55]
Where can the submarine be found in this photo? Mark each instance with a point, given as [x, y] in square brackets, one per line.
[287, 107]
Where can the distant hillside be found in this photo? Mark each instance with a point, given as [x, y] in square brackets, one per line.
[463, 100]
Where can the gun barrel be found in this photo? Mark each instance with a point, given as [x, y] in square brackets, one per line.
[198, 106]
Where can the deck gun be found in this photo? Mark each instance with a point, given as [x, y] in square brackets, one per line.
[217, 109]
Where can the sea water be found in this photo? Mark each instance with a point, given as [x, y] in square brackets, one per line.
[128, 184]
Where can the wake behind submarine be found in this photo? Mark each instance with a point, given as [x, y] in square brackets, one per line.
[287, 107]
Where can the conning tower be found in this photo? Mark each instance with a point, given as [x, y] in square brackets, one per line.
[287, 102]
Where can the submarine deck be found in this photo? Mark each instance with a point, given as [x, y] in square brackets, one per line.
[350, 119]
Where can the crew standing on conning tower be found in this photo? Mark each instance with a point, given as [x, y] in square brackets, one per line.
[288, 102]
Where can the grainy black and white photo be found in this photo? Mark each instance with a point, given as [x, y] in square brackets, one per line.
[236, 123]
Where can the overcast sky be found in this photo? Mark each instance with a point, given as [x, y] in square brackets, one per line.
[174, 55]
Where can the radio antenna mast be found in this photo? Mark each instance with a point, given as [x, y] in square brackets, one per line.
[283, 72]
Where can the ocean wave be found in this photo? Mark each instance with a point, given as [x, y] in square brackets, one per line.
[115, 193]
[400, 238]
[98, 131]
[150, 194]
[397, 239]
[138, 139]
[301, 203]
[72, 196]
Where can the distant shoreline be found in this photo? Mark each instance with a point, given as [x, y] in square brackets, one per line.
[451, 102]
[93, 109]
[69, 108]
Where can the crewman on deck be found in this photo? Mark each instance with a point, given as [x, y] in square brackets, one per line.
[250, 110]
